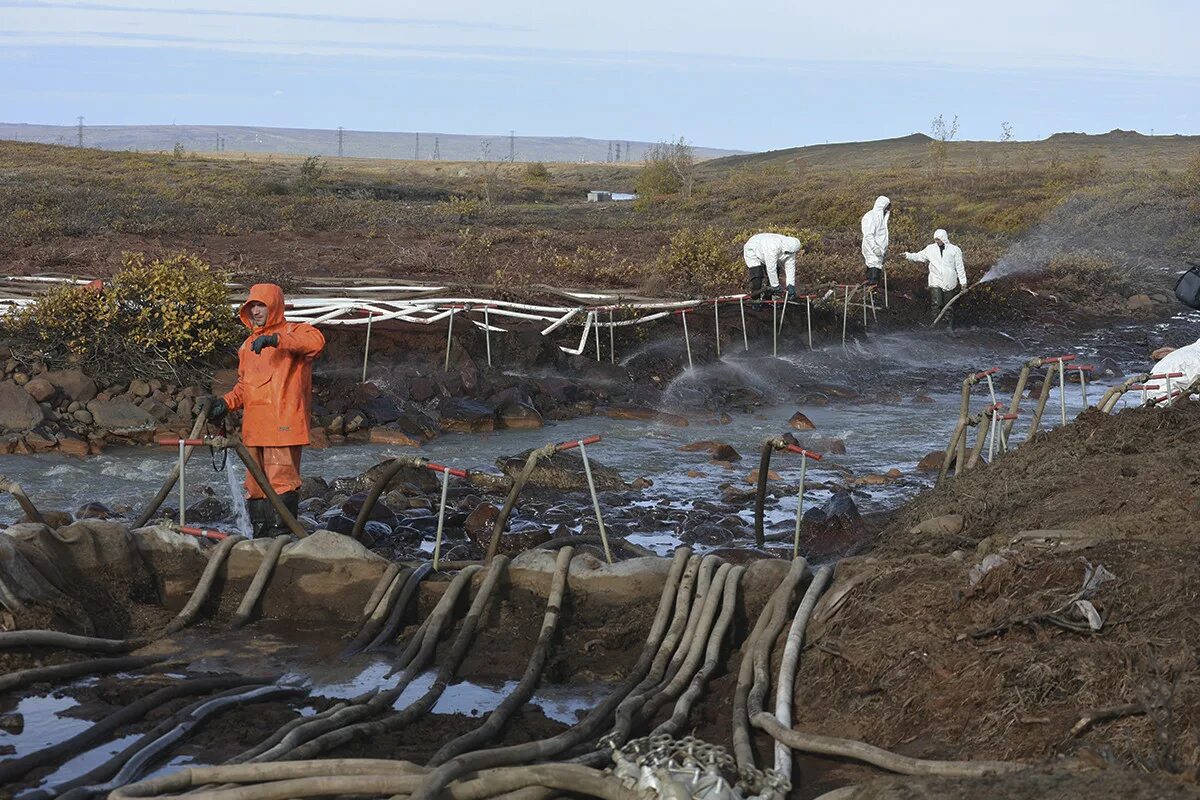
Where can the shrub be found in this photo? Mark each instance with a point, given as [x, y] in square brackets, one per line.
[459, 208]
[158, 318]
[702, 262]
[598, 267]
[536, 172]
[670, 169]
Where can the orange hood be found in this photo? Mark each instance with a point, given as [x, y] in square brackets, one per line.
[269, 295]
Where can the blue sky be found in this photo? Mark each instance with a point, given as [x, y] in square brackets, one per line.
[754, 75]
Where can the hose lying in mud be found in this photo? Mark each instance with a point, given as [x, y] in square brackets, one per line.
[67, 641]
[884, 759]
[492, 726]
[392, 625]
[394, 466]
[173, 477]
[14, 488]
[586, 728]
[378, 607]
[531, 462]
[216, 560]
[445, 673]
[635, 550]
[11, 771]
[74, 669]
[299, 779]
[712, 657]
[130, 763]
[261, 576]
[786, 682]
[313, 729]
[749, 692]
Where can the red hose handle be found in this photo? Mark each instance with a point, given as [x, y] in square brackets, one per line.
[1008, 417]
[1082, 368]
[1166, 375]
[203, 533]
[175, 442]
[458, 473]
[1056, 359]
[981, 375]
[1137, 386]
[791, 448]
[561, 446]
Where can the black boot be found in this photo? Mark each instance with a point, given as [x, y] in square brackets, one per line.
[262, 516]
[291, 501]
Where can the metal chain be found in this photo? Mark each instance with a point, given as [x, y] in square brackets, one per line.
[663, 752]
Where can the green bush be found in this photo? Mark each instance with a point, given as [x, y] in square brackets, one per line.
[163, 318]
[701, 262]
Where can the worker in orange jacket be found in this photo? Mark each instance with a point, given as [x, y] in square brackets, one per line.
[274, 391]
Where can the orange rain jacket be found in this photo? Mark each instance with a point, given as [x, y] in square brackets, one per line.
[274, 387]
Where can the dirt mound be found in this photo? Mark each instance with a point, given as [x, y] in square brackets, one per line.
[1124, 475]
[1114, 784]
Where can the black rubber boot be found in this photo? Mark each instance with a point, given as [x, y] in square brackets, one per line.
[291, 501]
[262, 516]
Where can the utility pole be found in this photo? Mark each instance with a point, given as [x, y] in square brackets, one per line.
[512, 146]
[417, 155]
[80, 132]
[618, 158]
[608, 158]
[341, 132]
[437, 151]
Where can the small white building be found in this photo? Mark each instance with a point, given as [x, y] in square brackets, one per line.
[595, 196]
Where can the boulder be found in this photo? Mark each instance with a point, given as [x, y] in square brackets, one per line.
[563, 471]
[72, 443]
[82, 416]
[801, 423]
[119, 415]
[421, 389]
[718, 451]
[94, 511]
[644, 414]
[1139, 302]
[945, 525]
[1162, 353]
[40, 389]
[466, 415]
[140, 388]
[18, 411]
[73, 383]
[932, 462]
[834, 529]
[391, 434]
[318, 438]
[772, 475]
[41, 440]
[381, 410]
[480, 520]
[159, 411]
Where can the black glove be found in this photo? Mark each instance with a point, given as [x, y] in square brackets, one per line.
[217, 409]
[267, 340]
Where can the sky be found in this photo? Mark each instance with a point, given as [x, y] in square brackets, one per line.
[748, 75]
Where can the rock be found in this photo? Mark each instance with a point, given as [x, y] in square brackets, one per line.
[223, 381]
[53, 519]
[160, 412]
[1162, 353]
[894, 473]
[40, 389]
[40, 440]
[20, 378]
[870, 480]
[72, 444]
[945, 525]
[12, 723]
[354, 420]
[18, 411]
[421, 389]
[208, 509]
[772, 475]
[834, 529]
[563, 471]
[466, 415]
[825, 445]
[644, 414]
[923, 400]
[480, 520]
[379, 512]
[121, 415]
[391, 434]
[139, 388]
[932, 462]
[73, 383]
[94, 511]
[517, 413]
[718, 451]
[381, 410]
[312, 486]
[801, 423]
[1139, 302]
[695, 473]
[318, 438]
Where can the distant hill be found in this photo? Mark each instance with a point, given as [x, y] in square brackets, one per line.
[1114, 149]
[360, 144]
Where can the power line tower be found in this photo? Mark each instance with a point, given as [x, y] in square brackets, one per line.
[437, 151]
[79, 132]
[417, 153]
[512, 146]
[627, 151]
[618, 153]
[608, 158]
[341, 135]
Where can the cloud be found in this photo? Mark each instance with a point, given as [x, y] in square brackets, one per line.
[277, 93]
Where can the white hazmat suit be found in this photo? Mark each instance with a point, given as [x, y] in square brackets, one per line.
[946, 269]
[1186, 360]
[767, 251]
[875, 236]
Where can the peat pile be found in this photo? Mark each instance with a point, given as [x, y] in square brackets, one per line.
[1077, 643]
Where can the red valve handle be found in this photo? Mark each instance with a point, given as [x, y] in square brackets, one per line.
[1008, 417]
[458, 473]
[1082, 367]
[791, 448]
[175, 442]
[203, 533]
[1056, 359]
[561, 446]
[1144, 386]
[1165, 375]
[981, 375]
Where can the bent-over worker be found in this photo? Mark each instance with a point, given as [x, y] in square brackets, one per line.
[946, 272]
[875, 238]
[764, 252]
[274, 391]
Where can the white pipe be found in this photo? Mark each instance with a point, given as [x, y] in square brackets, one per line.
[437, 541]
[562, 321]
[182, 499]
[808, 316]
[587, 328]
[612, 339]
[449, 338]
[587, 471]
[745, 336]
[367, 348]
[717, 325]
[786, 684]
[487, 335]
[1062, 389]
[687, 340]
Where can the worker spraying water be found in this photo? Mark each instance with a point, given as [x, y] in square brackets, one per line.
[947, 274]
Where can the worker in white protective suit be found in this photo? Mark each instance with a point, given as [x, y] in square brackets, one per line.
[947, 274]
[764, 252]
[875, 238]
[1185, 359]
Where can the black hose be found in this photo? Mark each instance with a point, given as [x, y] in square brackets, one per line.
[67, 641]
[397, 613]
[394, 467]
[204, 586]
[380, 611]
[518, 484]
[73, 669]
[261, 576]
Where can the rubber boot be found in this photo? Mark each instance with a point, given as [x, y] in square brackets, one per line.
[291, 501]
[262, 516]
